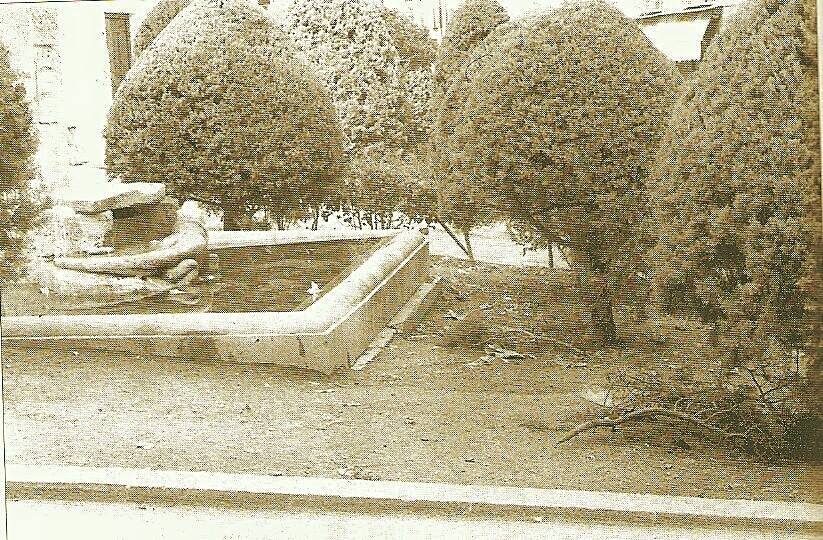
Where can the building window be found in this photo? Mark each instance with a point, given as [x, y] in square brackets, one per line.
[118, 40]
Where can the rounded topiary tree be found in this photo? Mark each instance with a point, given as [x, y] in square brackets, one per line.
[416, 51]
[738, 188]
[17, 148]
[561, 124]
[351, 48]
[462, 200]
[156, 20]
[471, 22]
[221, 111]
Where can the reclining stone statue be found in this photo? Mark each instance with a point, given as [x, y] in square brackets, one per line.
[172, 258]
[166, 265]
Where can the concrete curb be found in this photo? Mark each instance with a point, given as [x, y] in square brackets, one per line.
[347, 495]
[418, 306]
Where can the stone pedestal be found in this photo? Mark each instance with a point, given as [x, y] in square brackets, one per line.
[135, 226]
[93, 198]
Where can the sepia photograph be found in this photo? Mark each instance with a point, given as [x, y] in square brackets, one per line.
[411, 269]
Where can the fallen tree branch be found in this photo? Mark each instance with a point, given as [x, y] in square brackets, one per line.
[576, 350]
[569, 346]
[647, 413]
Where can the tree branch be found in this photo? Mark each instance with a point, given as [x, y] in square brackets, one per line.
[648, 413]
[456, 239]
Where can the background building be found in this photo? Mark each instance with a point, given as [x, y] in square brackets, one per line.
[67, 54]
[680, 28]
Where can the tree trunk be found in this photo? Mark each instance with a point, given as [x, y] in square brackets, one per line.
[469, 250]
[603, 317]
[594, 282]
[316, 218]
[234, 218]
[453, 237]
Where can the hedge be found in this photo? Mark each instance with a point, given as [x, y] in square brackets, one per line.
[17, 170]
[471, 22]
[221, 111]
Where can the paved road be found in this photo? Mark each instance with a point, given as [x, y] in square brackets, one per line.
[35, 520]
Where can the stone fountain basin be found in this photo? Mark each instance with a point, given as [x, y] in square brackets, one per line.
[329, 334]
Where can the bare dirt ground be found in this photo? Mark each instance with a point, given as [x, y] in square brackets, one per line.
[427, 409]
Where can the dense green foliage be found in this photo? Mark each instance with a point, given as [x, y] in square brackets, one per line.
[418, 88]
[220, 110]
[17, 148]
[350, 46]
[559, 129]
[462, 200]
[417, 51]
[472, 22]
[156, 20]
[471, 36]
[415, 47]
[738, 192]
[738, 196]
[387, 190]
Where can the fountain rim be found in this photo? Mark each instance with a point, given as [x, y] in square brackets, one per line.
[320, 318]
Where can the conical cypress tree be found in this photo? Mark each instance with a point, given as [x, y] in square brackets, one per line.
[220, 110]
[737, 192]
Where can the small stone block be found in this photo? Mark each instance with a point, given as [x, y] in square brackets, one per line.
[93, 199]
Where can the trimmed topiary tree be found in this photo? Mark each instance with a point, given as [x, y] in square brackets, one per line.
[415, 47]
[462, 201]
[472, 22]
[560, 126]
[417, 51]
[221, 111]
[17, 148]
[351, 48]
[156, 20]
[737, 192]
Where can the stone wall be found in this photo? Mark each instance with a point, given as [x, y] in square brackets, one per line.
[60, 52]
[31, 34]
